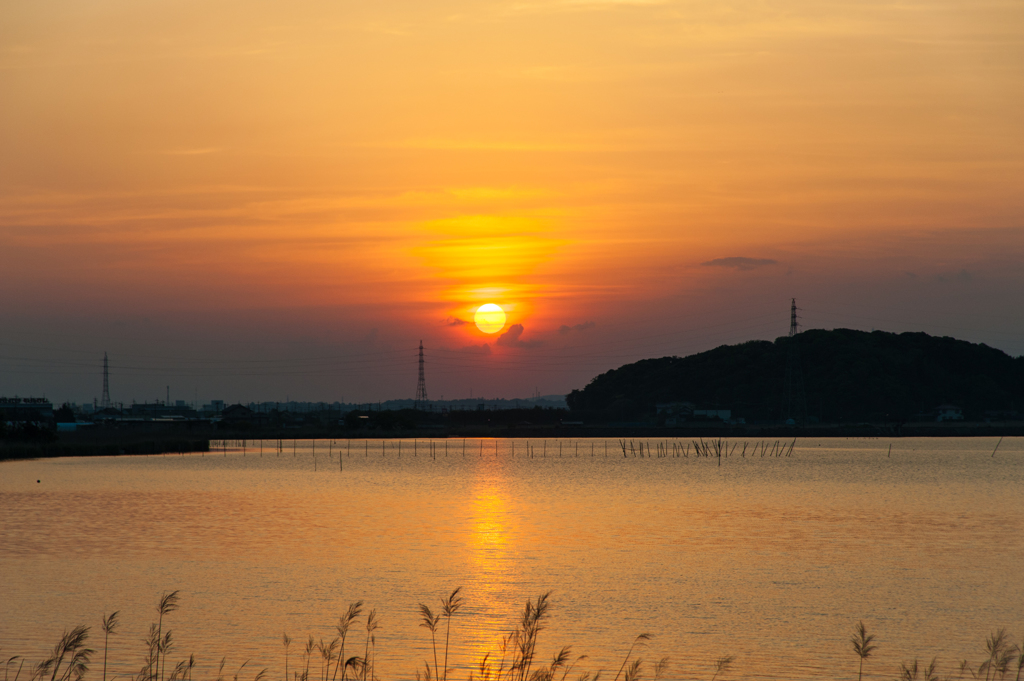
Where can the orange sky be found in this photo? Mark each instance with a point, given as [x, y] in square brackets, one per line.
[319, 185]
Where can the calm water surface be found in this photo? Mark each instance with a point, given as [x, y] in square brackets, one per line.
[770, 559]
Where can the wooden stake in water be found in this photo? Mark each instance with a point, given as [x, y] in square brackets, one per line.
[997, 447]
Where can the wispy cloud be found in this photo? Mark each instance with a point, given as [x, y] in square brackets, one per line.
[454, 321]
[565, 328]
[568, 5]
[203, 151]
[961, 277]
[740, 263]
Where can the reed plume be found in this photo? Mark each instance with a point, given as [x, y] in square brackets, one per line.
[69, 659]
[109, 627]
[287, 642]
[1000, 655]
[168, 604]
[430, 621]
[308, 652]
[327, 651]
[722, 665]
[862, 646]
[371, 625]
[345, 622]
[449, 607]
[915, 672]
[7, 666]
[639, 640]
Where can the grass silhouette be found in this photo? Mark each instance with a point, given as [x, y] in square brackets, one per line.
[862, 647]
[517, 659]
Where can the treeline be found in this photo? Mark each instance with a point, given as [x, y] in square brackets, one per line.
[837, 376]
[410, 419]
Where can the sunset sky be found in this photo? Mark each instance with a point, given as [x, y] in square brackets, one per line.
[262, 200]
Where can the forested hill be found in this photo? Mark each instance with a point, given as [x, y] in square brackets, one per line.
[846, 376]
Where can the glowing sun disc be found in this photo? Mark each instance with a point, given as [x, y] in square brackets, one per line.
[489, 318]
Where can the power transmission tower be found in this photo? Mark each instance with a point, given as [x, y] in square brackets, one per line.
[795, 406]
[421, 385]
[105, 400]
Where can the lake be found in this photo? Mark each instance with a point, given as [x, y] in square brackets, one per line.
[770, 557]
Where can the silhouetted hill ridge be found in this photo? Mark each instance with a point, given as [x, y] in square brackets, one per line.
[847, 375]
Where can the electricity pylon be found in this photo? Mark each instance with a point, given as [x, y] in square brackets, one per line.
[421, 384]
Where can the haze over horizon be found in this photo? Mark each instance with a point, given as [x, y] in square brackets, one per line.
[247, 201]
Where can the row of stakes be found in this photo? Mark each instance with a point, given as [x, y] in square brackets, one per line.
[666, 449]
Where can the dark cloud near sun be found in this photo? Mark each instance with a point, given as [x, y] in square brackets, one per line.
[565, 328]
[483, 349]
[454, 321]
[510, 339]
[961, 277]
[740, 263]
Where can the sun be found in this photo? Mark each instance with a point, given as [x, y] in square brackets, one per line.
[489, 318]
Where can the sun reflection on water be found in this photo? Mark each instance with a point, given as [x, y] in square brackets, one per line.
[494, 529]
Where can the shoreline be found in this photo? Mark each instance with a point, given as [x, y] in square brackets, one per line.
[114, 442]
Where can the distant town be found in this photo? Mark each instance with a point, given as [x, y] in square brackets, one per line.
[811, 383]
[19, 412]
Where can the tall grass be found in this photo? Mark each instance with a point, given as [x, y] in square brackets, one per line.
[862, 647]
[109, 627]
[517, 656]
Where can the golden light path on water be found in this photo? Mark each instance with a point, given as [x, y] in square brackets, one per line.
[770, 559]
[492, 551]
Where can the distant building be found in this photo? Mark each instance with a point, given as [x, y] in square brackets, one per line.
[713, 414]
[214, 407]
[37, 411]
[108, 414]
[949, 412]
[160, 410]
[674, 412]
[238, 414]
